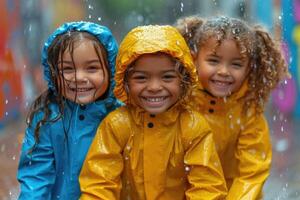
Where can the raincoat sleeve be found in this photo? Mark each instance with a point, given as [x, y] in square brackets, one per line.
[100, 174]
[205, 174]
[36, 171]
[254, 154]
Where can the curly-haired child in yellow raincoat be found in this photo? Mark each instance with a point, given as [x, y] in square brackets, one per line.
[238, 66]
[155, 147]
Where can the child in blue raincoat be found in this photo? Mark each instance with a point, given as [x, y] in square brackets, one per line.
[79, 66]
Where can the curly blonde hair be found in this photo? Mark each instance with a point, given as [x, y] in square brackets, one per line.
[267, 64]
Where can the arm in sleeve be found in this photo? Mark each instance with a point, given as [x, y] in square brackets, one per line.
[100, 174]
[36, 171]
[205, 174]
[254, 154]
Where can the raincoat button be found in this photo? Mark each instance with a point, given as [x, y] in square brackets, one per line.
[150, 125]
[211, 110]
[81, 117]
[212, 102]
[82, 107]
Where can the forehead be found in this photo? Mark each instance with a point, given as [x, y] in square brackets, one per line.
[226, 46]
[154, 62]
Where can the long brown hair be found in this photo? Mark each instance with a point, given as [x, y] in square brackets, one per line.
[41, 104]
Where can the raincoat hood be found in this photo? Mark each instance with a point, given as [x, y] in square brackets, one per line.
[151, 39]
[103, 34]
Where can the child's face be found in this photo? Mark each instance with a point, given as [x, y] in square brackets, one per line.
[221, 69]
[154, 83]
[86, 79]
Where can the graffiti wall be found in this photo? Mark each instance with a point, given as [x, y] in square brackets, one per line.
[10, 74]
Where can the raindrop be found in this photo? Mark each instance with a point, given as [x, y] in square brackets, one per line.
[242, 127]
[99, 18]
[29, 29]
[6, 101]
[230, 116]
[238, 121]
[216, 164]
[126, 158]
[90, 16]
[177, 42]
[128, 147]
[274, 118]
[280, 17]
[6, 113]
[285, 81]
[91, 7]
[140, 18]
[263, 155]
[282, 145]
[24, 66]
[14, 157]
[281, 129]
[187, 168]
[181, 7]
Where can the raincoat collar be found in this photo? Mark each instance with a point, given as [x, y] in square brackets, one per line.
[151, 39]
[201, 93]
[101, 32]
[166, 118]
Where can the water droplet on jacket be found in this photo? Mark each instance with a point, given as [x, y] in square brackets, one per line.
[187, 168]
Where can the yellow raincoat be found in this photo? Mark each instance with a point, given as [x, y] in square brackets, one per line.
[138, 156]
[242, 141]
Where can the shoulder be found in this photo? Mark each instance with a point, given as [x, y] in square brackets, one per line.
[118, 117]
[193, 124]
[39, 115]
[193, 120]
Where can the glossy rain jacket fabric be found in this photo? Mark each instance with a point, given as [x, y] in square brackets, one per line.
[51, 171]
[242, 141]
[138, 156]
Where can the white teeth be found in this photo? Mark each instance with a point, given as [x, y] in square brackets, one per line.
[80, 89]
[155, 99]
[221, 83]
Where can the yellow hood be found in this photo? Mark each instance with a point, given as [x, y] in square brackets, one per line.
[151, 39]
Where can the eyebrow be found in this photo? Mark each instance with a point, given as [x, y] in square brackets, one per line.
[139, 71]
[215, 55]
[87, 62]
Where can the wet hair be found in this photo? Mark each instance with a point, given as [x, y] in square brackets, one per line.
[61, 44]
[266, 62]
[184, 75]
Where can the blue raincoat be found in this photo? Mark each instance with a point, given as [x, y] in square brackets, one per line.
[51, 171]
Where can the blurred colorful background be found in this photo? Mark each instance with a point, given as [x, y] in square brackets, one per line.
[25, 24]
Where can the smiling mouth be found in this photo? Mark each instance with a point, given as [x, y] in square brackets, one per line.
[81, 89]
[154, 99]
[154, 102]
[221, 83]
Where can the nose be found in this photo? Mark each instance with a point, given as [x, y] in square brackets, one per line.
[80, 76]
[223, 70]
[154, 85]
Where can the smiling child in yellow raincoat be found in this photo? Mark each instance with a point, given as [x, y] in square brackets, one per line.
[238, 66]
[155, 147]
